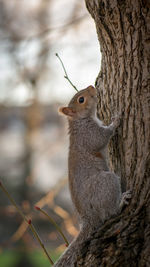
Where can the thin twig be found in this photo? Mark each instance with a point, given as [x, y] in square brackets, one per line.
[54, 223]
[39, 240]
[13, 202]
[47, 199]
[66, 75]
[29, 222]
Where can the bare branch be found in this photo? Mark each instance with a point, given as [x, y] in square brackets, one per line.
[66, 75]
[54, 223]
[29, 222]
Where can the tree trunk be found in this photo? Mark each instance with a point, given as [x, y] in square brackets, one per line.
[123, 28]
[123, 84]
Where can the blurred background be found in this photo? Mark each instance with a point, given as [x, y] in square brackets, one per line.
[33, 137]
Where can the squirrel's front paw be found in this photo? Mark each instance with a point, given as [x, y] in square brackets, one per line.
[116, 121]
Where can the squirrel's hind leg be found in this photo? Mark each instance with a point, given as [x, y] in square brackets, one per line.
[126, 196]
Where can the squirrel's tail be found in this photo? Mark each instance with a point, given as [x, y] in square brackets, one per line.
[69, 258]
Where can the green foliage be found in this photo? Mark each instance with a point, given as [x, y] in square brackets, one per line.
[18, 259]
[9, 259]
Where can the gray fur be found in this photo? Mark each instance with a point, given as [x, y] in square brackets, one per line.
[95, 190]
[91, 183]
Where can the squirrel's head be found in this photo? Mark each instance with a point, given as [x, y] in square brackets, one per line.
[82, 105]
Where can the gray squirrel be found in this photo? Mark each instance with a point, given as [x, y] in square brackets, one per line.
[95, 190]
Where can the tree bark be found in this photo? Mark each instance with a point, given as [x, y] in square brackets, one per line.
[123, 84]
[123, 29]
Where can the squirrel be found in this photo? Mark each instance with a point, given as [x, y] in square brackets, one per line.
[95, 190]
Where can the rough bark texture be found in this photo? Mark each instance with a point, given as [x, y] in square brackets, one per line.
[123, 85]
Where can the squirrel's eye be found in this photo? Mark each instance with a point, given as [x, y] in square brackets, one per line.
[81, 100]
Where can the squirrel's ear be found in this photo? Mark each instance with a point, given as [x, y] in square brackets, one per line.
[67, 111]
